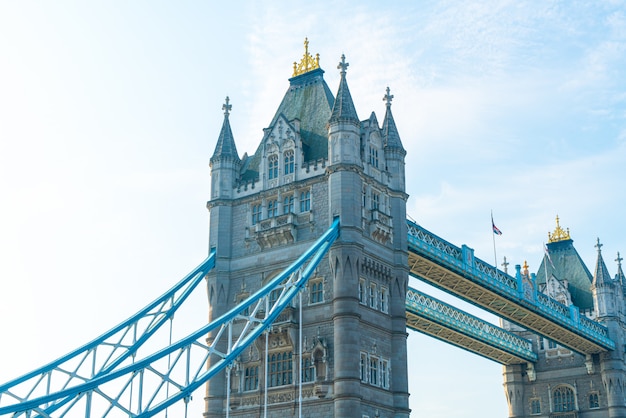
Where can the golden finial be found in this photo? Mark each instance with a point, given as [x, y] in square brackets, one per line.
[308, 63]
[525, 268]
[559, 234]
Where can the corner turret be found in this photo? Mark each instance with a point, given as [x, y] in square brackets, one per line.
[344, 128]
[603, 287]
[225, 162]
[394, 151]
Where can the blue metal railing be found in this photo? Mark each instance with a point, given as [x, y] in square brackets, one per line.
[187, 371]
[462, 261]
[108, 351]
[446, 315]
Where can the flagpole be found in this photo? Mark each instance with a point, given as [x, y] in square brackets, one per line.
[493, 236]
[545, 262]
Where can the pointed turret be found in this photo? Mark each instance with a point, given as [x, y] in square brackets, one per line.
[391, 138]
[225, 162]
[343, 110]
[225, 146]
[394, 151]
[619, 277]
[603, 288]
[601, 276]
[344, 127]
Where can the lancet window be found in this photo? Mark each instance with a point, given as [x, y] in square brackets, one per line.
[251, 378]
[308, 370]
[272, 208]
[535, 406]
[373, 156]
[316, 291]
[288, 204]
[256, 213]
[289, 162]
[305, 201]
[272, 166]
[362, 292]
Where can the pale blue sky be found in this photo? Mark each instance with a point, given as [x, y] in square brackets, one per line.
[109, 113]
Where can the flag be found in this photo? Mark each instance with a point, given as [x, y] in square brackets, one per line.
[545, 249]
[495, 228]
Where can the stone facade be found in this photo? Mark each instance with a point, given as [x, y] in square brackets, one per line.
[564, 383]
[316, 161]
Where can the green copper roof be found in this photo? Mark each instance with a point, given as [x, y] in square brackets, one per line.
[567, 265]
[309, 100]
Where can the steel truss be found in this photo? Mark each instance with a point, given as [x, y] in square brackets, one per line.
[142, 389]
[104, 354]
[445, 322]
[457, 271]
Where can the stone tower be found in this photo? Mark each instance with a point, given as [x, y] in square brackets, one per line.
[564, 383]
[316, 161]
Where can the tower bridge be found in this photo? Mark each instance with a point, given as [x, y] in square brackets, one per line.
[308, 295]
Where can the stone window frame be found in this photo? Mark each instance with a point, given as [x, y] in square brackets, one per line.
[272, 208]
[566, 396]
[280, 369]
[288, 204]
[257, 213]
[383, 299]
[594, 400]
[305, 200]
[379, 375]
[375, 200]
[535, 406]
[373, 296]
[373, 156]
[251, 380]
[308, 369]
[362, 291]
[289, 160]
[272, 166]
[316, 291]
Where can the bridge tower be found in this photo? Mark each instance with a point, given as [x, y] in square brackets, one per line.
[564, 383]
[316, 161]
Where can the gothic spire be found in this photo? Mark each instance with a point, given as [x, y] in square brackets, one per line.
[225, 146]
[601, 275]
[391, 138]
[343, 110]
[619, 277]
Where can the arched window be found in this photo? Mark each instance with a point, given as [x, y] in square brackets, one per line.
[305, 201]
[563, 399]
[308, 370]
[288, 204]
[273, 166]
[251, 378]
[272, 208]
[288, 162]
[256, 214]
[594, 402]
[316, 292]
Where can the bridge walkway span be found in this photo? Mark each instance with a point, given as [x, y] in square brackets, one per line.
[456, 271]
[440, 320]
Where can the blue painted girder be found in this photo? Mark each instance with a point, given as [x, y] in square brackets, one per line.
[456, 271]
[438, 319]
